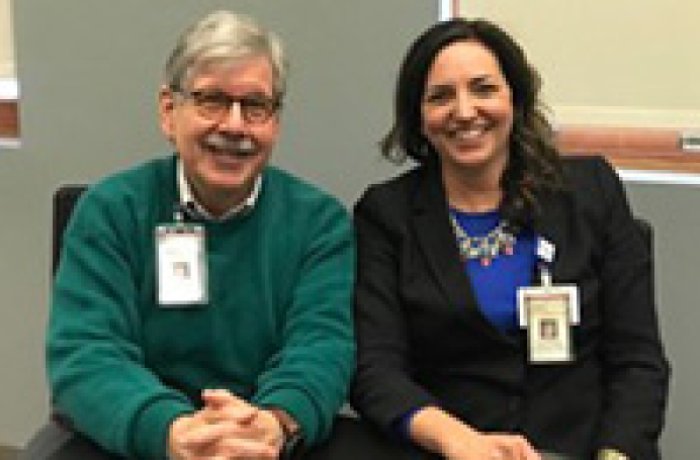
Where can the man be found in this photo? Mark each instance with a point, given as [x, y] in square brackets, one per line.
[202, 305]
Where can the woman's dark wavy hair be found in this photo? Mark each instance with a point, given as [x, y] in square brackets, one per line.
[533, 165]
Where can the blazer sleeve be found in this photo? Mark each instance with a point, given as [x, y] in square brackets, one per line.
[636, 372]
[383, 390]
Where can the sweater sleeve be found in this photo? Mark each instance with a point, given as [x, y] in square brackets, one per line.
[96, 364]
[310, 374]
[635, 368]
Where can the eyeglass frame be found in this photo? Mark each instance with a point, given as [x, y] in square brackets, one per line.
[226, 101]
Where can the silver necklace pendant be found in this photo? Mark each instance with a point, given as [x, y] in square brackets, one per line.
[485, 248]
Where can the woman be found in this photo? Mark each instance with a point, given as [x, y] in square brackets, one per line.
[504, 302]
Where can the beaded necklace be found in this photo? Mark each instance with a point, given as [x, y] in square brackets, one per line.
[496, 242]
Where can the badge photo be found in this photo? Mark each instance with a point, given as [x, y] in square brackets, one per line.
[549, 331]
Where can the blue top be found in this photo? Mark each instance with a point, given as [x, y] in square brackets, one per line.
[495, 285]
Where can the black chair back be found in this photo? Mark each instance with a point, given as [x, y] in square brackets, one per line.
[64, 201]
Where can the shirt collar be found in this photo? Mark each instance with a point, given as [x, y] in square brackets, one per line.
[188, 200]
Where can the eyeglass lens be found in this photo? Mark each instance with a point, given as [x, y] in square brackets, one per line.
[216, 105]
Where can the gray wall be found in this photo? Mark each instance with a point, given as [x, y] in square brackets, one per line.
[674, 211]
[89, 71]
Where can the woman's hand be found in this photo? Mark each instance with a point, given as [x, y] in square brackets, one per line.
[438, 431]
[487, 446]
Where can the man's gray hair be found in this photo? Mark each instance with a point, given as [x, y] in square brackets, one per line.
[224, 36]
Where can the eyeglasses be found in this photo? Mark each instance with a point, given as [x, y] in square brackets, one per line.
[216, 105]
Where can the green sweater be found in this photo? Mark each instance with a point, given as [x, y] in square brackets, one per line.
[277, 329]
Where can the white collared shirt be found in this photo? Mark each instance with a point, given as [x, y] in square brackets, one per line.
[188, 200]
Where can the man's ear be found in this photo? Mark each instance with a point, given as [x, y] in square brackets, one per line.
[166, 109]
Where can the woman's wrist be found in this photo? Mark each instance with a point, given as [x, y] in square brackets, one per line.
[440, 432]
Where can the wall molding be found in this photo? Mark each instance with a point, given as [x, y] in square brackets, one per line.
[9, 119]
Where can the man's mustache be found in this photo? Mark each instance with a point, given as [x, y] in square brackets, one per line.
[235, 145]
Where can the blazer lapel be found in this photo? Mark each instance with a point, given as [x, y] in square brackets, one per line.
[436, 238]
[552, 224]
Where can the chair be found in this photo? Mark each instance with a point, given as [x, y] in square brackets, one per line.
[647, 232]
[54, 436]
[64, 200]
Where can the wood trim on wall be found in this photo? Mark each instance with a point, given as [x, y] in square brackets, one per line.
[9, 119]
[631, 147]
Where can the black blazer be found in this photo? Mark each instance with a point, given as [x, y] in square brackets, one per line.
[422, 338]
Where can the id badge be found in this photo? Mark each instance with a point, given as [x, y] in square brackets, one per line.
[548, 313]
[181, 265]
